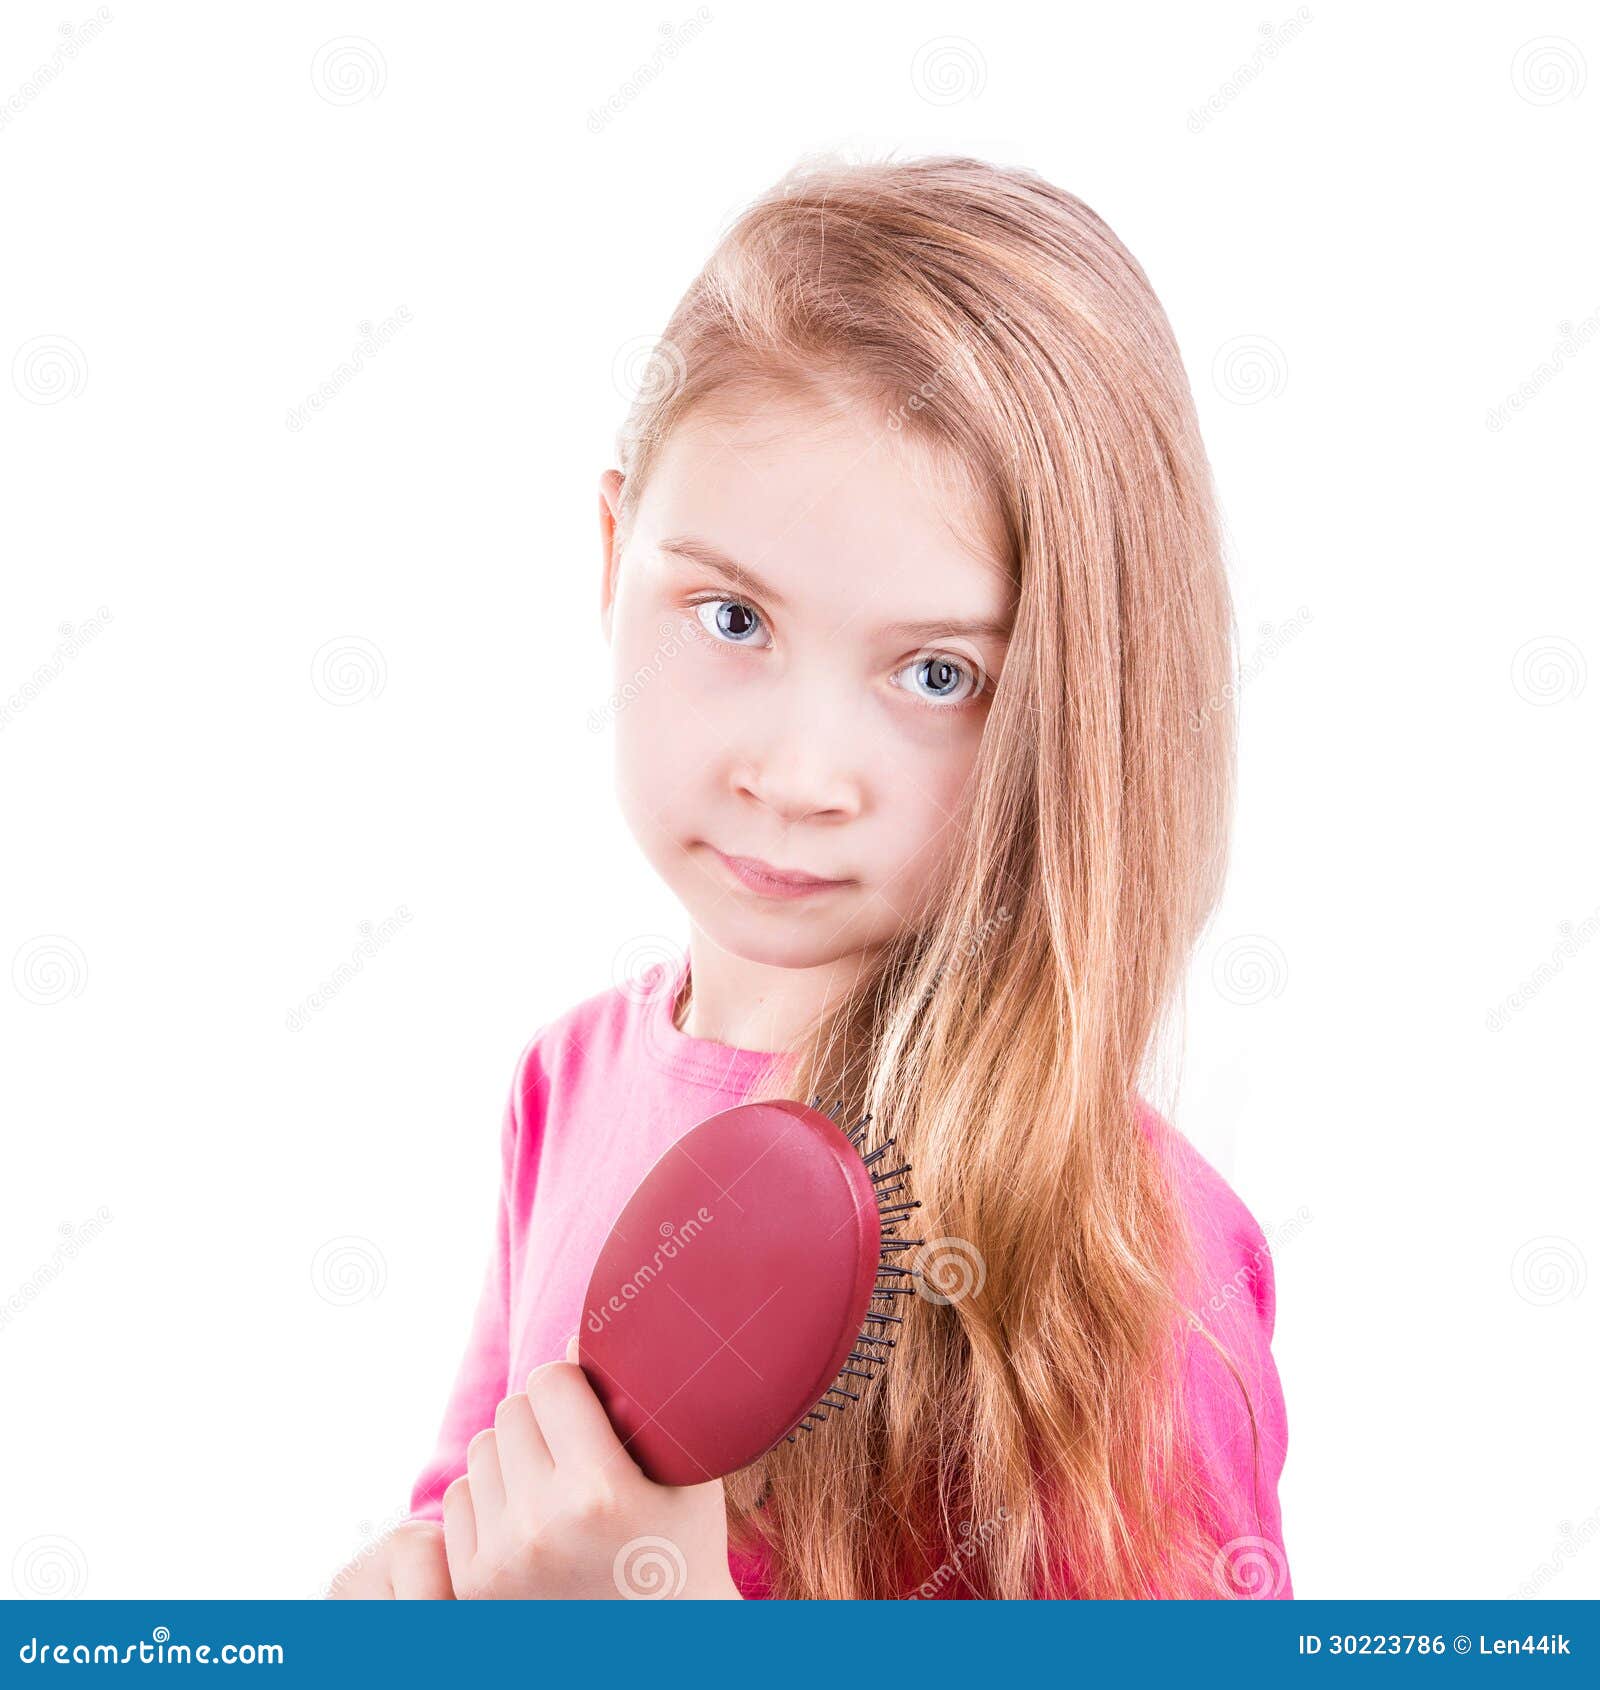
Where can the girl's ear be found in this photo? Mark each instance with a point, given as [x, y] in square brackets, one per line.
[610, 551]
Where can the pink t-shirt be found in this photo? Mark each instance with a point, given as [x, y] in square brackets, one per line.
[604, 1089]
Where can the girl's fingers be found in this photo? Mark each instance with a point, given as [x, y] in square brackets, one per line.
[460, 1531]
[483, 1469]
[576, 1429]
[525, 1463]
[418, 1568]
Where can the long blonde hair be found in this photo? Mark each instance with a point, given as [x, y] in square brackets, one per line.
[1027, 1436]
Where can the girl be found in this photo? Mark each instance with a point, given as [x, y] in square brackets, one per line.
[922, 642]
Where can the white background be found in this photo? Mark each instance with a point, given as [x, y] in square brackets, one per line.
[1368, 229]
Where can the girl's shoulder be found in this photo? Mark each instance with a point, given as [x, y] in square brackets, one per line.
[1233, 1395]
[1235, 1260]
[598, 1029]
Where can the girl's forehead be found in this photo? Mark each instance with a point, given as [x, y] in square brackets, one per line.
[837, 503]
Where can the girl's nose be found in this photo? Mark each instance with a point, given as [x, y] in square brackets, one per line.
[799, 782]
[803, 750]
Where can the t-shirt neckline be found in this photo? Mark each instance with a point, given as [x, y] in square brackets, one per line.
[728, 1068]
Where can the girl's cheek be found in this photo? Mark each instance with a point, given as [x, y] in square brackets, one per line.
[934, 746]
[923, 783]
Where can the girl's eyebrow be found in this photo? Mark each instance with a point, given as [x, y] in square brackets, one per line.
[708, 556]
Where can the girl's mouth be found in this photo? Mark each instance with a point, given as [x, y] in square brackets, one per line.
[772, 882]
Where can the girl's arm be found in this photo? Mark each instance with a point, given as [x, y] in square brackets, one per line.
[481, 1379]
[1241, 1431]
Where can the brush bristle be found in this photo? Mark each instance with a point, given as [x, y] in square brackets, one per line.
[890, 1215]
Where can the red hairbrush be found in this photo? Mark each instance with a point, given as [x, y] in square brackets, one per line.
[738, 1285]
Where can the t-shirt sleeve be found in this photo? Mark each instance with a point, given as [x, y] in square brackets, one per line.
[1235, 1426]
[1239, 1424]
[482, 1378]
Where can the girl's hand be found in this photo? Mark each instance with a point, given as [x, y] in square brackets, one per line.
[409, 1565]
[552, 1505]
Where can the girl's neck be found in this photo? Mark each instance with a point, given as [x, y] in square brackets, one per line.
[727, 999]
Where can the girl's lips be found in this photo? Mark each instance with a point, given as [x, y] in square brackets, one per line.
[770, 882]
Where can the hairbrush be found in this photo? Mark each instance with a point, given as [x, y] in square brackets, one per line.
[746, 1284]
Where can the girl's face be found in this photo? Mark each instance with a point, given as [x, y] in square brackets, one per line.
[804, 658]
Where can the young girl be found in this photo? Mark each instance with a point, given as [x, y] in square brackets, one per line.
[922, 642]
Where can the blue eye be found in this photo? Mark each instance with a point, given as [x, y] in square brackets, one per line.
[944, 677]
[733, 628]
[733, 623]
